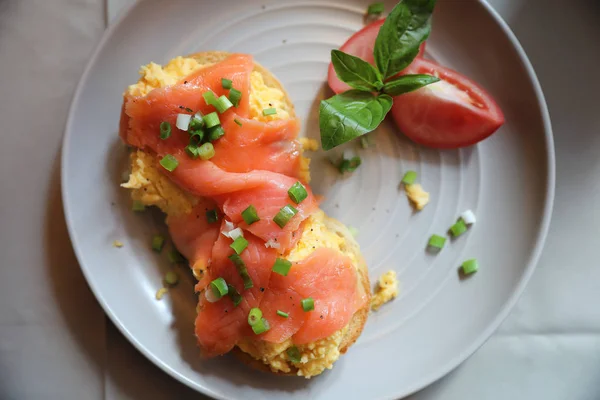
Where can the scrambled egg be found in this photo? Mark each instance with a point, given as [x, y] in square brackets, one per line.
[386, 290]
[418, 196]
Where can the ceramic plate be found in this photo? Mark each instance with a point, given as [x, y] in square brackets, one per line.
[438, 319]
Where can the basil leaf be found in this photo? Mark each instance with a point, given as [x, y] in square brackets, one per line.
[349, 115]
[355, 72]
[400, 36]
[408, 83]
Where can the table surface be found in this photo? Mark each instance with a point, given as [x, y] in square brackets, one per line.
[55, 341]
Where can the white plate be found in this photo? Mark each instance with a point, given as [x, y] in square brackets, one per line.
[438, 320]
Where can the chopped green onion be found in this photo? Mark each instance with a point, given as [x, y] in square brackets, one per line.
[409, 178]
[206, 151]
[282, 266]
[239, 244]
[470, 266]
[234, 294]
[235, 96]
[261, 327]
[216, 132]
[250, 215]
[282, 314]
[169, 162]
[192, 150]
[138, 206]
[308, 304]
[349, 165]
[223, 104]
[365, 141]
[376, 9]
[242, 270]
[171, 278]
[219, 287]
[269, 111]
[284, 215]
[226, 83]
[437, 241]
[211, 119]
[212, 216]
[175, 257]
[210, 98]
[196, 123]
[458, 228]
[196, 138]
[297, 192]
[165, 130]
[294, 354]
[254, 316]
[237, 121]
[158, 242]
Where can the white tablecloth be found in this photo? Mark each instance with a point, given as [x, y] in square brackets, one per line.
[56, 343]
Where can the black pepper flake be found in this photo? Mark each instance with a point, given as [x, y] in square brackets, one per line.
[373, 208]
[226, 311]
[262, 289]
[321, 317]
[290, 297]
[311, 229]
[314, 247]
[270, 105]
[185, 82]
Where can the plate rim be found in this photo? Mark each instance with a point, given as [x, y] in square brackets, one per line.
[427, 380]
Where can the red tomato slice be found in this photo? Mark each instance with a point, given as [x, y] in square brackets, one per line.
[455, 112]
[361, 45]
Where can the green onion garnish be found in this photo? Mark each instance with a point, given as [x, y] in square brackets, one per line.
[293, 354]
[216, 132]
[376, 9]
[169, 162]
[254, 316]
[437, 241]
[282, 314]
[158, 242]
[211, 119]
[206, 151]
[239, 245]
[175, 257]
[192, 150]
[308, 304]
[165, 130]
[234, 294]
[364, 142]
[242, 270]
[282, 266]
[237, 121]
[269, 111]
[219, 287]
[297, 192]
[261, 327]
[409, 178]
[171, 278]
[250, 215]
[223, 104]
[209, 98]
[196, 123]
[226, 83]
[284, 215]
[458, 228]
[349, 165]
[138, 206]
[196, 137]
[470, 266]
[212, 216]
[235, 96]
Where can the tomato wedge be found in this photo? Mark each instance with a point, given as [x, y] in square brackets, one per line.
[455, 112]
[361, 45]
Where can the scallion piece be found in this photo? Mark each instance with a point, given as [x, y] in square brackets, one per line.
[171, 278]
[376, 9]
[165, 130]
[138, 206]
[196, 123]
[409, 178]
[237, 121]
[239, 244]
[308, 304]
[219, 287]
[211, 119]
[470, 266]
[437, 241]
[223, 104]
[269, 111]
[192, 150]
[254, 316]
[349, 165]
[261, 327]
[284, 215]
[293, 354]
[242, 270]
[169, 162]
[458, 228]
[196, 138]
[297, 192]
[175, 257]
[282, 266]
[282, 314]
[250, 215]
[234, 294]
[216, 132]
[226, 83]
[158, 242]
[235, 96]
[210, 98]
[183, 121]
[206, 151]
[212, 216]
